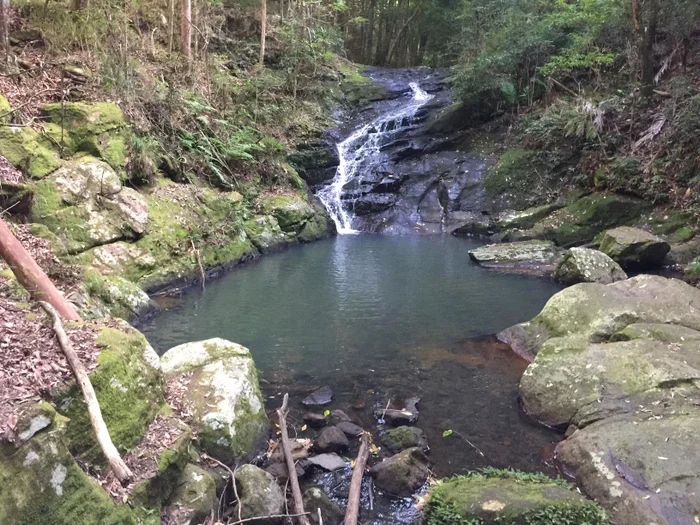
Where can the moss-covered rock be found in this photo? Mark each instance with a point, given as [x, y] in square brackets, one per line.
[84, 120]
[582, 220]
[28, 151]
[84, 204]
[402, 474]
[526, 219]
[265, 233]
[583, 265]
[229, 414]
[5, 109]
[401, 438]
[115, 296]
[633, 248]
[259, 495]
[291, 211]
[314, 500]
[508, 498]
[194, 498]
[360, 90]
[40, 482]
[128, 385]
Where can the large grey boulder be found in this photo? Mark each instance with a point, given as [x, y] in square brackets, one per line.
[531, 257]
[584, 265]
[229, 414]
[259, 495]
[633, 248]
[315, 499]
[619, 365]
[194, 498]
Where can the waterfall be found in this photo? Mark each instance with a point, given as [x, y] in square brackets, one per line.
[358, 147]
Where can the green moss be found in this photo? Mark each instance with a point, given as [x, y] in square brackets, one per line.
[513, 169]
[22, 147]
[41, 483]
[360, 90]
[128, 389]
[5, 109]
[508, 497]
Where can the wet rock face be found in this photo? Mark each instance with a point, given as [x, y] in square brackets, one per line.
[619, 365]
[416, 179]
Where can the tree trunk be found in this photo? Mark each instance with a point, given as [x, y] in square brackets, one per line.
[358, 472]
[392, 45]
[645, 16]
[5, 32]
[263, 30]
[186, 28]
[291, 467]
[31, 276]
[369, 45]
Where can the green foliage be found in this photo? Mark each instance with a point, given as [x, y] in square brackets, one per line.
[144, 157]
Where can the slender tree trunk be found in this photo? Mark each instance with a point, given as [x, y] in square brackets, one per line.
[186, 28]
[5, 32]
[648, 48]
[369, 46]
[263, 30]
[404, 28]
[31, 276]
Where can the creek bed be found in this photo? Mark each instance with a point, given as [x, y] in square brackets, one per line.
[379, 318]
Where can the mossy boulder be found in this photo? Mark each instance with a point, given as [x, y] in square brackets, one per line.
[114, 296]
[403, 437]
[582, 220]
[5, 108]
[84, 204]
[360, 90]
[619, 365]
[128, 385]
[402, 474]
[584, 265]
[633, 248]
[259, 495]
[228, 407]
[40, 482]
[194, 498]
[29, 151]
[314, 500]
[265, 233]
[291, 211]
[84, 119]
[526, 219]
[532, 257]
[510, 498]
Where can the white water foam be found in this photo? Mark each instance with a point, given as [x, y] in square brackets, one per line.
[360, 145]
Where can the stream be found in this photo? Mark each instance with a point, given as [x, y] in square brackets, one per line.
[380, 318]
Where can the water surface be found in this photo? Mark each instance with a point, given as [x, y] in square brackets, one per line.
[382, 318]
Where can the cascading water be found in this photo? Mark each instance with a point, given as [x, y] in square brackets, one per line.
[361, 145]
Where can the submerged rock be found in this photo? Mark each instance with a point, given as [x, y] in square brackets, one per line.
[403, 474]
[322, 396]
[531, 257]
[315, 420]
[229, 414]
[332, 439]
[633, 248]
[481, 498]
[280, 473]
[259, 495]
[401, 438]
[350, 429]
[584, 265]
[315, 499]
[399, 416]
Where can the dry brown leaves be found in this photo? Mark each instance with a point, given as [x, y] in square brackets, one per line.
[175, 390]
[31, 361]
[161, 435]
[8, 173]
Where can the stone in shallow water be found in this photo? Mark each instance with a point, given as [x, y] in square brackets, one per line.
[339, 416]
[315, 420]
[350, 429]
[401, 438]
[280, 473]
[583, 265]
[322, 396]
[314, 499]
[402, 474]
[332, 439]
[328, 461]
[531, 257]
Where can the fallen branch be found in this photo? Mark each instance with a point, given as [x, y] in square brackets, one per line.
[291, 467]
[569, 91]
[202, 273]
[258, 518]
[358, 473]
[121, 471]
[30, 275]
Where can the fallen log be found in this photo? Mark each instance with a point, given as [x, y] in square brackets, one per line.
[353, 511]
[301, 516]
[31, 276]
[121, 471]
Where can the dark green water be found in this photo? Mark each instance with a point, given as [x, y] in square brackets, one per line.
[379, 318]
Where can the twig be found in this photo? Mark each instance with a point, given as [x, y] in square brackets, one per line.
[470, 443]
[199, 262]
[569, 91]
[358, 472]
[291, 468]
[121, 471]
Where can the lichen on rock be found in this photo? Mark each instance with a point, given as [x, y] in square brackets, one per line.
[584, 265]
